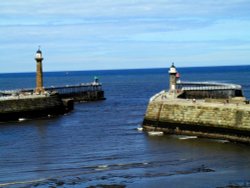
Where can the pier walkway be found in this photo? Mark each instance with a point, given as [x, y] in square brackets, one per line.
[80, 92]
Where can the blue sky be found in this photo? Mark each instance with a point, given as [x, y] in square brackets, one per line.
[122, 34]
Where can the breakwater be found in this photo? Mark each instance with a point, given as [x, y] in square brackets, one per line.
[204, 109]
[218, 120]
[81, 92]
[18, 107]
[19, 104]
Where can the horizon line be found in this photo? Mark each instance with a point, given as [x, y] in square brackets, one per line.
[95, 70]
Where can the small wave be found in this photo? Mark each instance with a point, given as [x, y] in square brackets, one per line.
[187, 137]
[140, 129]
[220, 141]
[21, 119]
[155, 133]
[102, 167]
[131, 165]
[21, 182]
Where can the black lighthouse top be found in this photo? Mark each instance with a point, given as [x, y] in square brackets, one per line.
[39, 51]
[39, 54]
[172, 69]
[172, 66]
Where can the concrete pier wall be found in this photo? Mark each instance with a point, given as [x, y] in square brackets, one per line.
[81, 92]
[26, 104]
[215, 120]
[29, 107]
[84, 95]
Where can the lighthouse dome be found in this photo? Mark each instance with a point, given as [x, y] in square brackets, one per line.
[39, 51]
[172, 69]
[39, 54]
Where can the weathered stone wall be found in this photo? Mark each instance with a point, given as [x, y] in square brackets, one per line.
[85, 96]
[26, 104]
[13, 109]
[199, 116]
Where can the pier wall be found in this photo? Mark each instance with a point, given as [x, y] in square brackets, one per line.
[13, 109]
[84, 95]
[215, 120]
[25, 103]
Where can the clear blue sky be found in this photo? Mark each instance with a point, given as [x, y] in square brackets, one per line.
[121, 34]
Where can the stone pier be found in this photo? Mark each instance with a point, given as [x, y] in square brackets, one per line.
[215, 119]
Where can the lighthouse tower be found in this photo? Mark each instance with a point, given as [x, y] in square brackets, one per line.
[39, 72]
[172, 78]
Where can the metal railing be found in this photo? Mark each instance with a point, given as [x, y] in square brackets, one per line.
[199, 86]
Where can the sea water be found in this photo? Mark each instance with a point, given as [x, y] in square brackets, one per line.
[98, 143]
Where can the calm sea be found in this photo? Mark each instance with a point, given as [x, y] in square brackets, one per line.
[97, 144]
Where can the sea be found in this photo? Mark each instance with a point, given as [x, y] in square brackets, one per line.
[98, 144]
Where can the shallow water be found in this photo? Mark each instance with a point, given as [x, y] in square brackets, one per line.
[98, 143]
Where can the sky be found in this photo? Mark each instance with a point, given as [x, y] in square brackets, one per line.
[123, 34]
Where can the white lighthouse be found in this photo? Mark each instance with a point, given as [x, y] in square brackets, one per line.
[172, 78]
